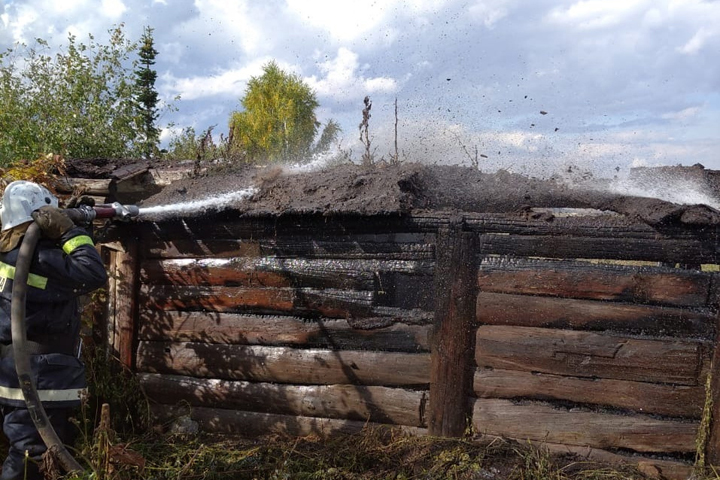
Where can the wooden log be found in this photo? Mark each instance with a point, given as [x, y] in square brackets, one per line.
[89, 186]
[348, 402]
[403, 284]
[585, 354]
[543, 423]
[606, 226]
[210, 327]
[649, 466]
[524, 310]
[452, 339]
[254, 424]
[584, 280]
[123, 273]
[226, 225]
[327, 302]
[649, 398]
[712, 444]
[259, 272]
[617, 248]
[285, 365]
[309, 247]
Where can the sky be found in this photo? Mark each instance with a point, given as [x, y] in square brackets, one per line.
[535, 87]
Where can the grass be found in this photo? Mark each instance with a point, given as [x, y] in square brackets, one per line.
[373, 454]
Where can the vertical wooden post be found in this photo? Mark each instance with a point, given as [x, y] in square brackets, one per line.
[453, 340]
[123, 302]
[712, 445]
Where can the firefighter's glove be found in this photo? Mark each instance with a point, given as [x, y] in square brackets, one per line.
[76, 201]
[52, 221]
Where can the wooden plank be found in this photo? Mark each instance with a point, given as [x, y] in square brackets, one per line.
[285, 365]
[584, 280]
[524, 310]
[452, 339]
[649, 466]
[227, 225]
[309, 247]
[585, 354]
[686, 251]
[398, 228]
[712, 445]
[89, 186]
[255, 424]
[543, 423]
[403, 284]
[259, 272]
[649, 398]
[606, 226]
[349, 402]
[125, 303]
[327, 302]
[281, 330]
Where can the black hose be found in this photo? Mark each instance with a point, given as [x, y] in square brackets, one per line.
[22, 359]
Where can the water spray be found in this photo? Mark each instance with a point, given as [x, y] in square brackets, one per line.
[209, 203]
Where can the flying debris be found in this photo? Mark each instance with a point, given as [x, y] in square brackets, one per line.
[543, 112]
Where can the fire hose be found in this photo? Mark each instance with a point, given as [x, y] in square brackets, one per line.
[83, 215]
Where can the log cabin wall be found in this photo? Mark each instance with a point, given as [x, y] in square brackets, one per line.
[306, 324]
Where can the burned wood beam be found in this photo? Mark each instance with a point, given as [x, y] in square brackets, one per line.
[285, 365]
[339, 248]
[543, 423]
[452, 339]
[89, 186]
[641, 397]
[532, 311]
[232, 328]
[223, 421]
[585, 354]
[687, 251]
[585, 280]
[351, 402]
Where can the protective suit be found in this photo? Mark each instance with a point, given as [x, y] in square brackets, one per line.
[65, 266]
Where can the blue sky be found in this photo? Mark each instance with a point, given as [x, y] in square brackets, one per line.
[623, 83]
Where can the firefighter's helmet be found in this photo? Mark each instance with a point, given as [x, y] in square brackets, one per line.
[20, 199]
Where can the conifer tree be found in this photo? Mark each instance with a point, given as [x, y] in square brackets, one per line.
[147, 96]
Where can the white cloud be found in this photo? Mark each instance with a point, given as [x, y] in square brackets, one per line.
[112, 9]
[697, 42]
[230, 82]
[682, 115]
[347, 21]
[343, 78]
[489, 12]
[596, 14]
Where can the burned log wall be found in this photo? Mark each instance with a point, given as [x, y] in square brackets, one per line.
[520, 324]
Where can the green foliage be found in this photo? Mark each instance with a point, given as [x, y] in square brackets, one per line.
[146, 95]
[278, 122]
[187, 145]
[79, 103]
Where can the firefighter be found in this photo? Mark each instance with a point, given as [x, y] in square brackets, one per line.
[65, 265]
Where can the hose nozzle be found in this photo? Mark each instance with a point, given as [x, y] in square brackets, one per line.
[85, 214]
[116, 210]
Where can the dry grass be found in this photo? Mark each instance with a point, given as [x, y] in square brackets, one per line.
[373, 454]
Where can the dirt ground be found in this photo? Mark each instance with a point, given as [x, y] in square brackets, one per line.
[403, 188]
[412, 187]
